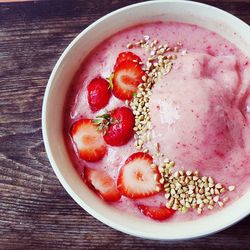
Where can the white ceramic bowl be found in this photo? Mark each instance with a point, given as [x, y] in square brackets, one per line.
[206, 16]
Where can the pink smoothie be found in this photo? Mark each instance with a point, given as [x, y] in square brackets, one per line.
[200, 113]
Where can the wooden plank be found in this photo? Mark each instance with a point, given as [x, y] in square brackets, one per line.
[35, 211]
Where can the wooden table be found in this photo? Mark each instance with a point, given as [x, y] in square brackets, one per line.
[35, 211]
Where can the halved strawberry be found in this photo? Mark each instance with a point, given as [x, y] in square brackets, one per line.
[88, 140]
[102, 184]
[156, 213]
[137, 179]
[126, 56]
[98, 93]
[127, 76]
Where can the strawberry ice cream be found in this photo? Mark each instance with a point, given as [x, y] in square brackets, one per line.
[201, 118]
[200, 112]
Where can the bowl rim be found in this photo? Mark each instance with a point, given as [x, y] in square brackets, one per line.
[52, 161]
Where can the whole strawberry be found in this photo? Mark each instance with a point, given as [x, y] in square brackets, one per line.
[98, 93]
[117, 126]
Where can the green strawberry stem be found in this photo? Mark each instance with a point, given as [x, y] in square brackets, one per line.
[103, 122]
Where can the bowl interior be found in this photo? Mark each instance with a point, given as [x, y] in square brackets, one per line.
[206, 16]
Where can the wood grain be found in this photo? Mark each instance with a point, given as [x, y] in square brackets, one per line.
[35, 211]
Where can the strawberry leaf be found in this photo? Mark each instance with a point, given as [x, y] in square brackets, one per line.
[100, 127]
[104, 116]
[97, 121]
[103, 122]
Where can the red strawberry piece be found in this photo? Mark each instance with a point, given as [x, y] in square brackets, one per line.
[126, 56]
[127, 76]
[102, 184]
[88, 140]
[137, 179]
[156, 213]
[98, 93]
[120, 130]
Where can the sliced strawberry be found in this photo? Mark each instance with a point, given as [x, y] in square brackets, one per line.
[126, 56]
[88, 140]
[127, 76]
[98, 93]
[120, 129]
[156, 213]
[102, 184]
[137, 179]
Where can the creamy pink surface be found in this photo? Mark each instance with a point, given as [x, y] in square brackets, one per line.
[199, 110]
